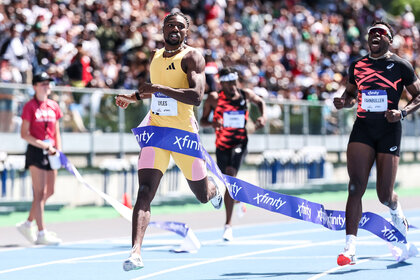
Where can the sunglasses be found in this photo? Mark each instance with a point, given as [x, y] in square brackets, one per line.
[381, 31]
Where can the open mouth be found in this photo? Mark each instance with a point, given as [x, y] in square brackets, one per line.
[174, 36]
[375, 42]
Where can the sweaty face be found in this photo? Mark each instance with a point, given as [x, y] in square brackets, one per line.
[379, 40]
[175, 30]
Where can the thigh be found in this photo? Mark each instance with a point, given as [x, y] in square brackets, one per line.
[194, 169]
[386, 168]
[154, 158]
[360, 158]
[390, 140]
[39, 179]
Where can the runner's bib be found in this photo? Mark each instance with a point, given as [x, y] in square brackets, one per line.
[374, 100]
[234, 119]
[164, 105]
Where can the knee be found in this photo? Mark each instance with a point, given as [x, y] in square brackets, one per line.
[145, 193]
[355, 190]
[385, 199]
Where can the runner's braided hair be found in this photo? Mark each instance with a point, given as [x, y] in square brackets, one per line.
[176, 14]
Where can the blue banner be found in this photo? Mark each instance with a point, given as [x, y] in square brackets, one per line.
[189, 143]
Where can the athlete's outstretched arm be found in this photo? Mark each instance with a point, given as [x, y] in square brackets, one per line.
[209, 106]
[348, 98]
[257, 100]
[193, 65]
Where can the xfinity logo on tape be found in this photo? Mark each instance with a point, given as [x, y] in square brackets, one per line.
[184, 142]
[144, 137]
[363, 221]
[235, 188]
[178, 228]
[266, 199]
[304, 210]
[389, 234]
[331, 220]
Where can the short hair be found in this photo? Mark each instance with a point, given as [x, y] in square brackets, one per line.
[176, 14]
[226, 71]
[378, 22]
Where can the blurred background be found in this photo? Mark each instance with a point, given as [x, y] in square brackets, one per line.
[295, 54]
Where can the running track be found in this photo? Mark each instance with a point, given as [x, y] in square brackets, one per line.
[288, 249]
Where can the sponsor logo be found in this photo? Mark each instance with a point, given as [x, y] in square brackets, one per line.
[234, 188]
[363, 221]
[393, 149]
[171, 66]
[390, 66]
[266, 199]
[184, 142]
[304, 210]
[331, 220]
[144, 137]
[389, 234]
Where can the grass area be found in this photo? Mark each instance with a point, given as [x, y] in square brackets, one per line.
[67, 214]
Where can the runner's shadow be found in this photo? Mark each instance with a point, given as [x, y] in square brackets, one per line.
[267, 275]
[398, 265]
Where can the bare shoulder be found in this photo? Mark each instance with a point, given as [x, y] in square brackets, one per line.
[194, 59]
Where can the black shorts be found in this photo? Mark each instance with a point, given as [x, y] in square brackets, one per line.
[36, 156]
[231, 157]
[381, 135]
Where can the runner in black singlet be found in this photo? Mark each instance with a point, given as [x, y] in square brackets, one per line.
[376, 82]
[230, 115]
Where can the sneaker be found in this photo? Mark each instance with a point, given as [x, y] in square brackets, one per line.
[49, 238]
[28, 232]
[400, 222]
[228, 234]
[346, 258]
[134, 262]
[241, 210]
[217, 200]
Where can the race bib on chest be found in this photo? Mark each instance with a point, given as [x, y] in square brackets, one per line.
[374, 100]
[234, 119]
[164, 105]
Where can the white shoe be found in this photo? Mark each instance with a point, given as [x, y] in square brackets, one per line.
[28, 232]
[217, 200]
[228, 234]
[48, 238]
[400, 222]
[134, 262]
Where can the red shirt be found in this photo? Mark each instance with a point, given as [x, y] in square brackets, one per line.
[42, 117]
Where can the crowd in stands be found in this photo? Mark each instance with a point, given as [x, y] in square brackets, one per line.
[291, 49]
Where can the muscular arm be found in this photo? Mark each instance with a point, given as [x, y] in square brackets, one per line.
[414, 103]
[209, 106]
[257, 100]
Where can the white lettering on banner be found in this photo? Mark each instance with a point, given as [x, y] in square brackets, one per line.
[389, 234]
[144, 137]
[330, 220]
[235, 188]
[190, 144]
[304, 210]
[363, 221]
[266, 199]
[178, 228]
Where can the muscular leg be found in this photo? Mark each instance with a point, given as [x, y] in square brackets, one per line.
[149, 180]
[386, 165]
[203, 189]
[229, 202]
[360, 158]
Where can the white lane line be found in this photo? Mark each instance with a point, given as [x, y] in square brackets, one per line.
[325, 273]
[62, 261]
[236, 257]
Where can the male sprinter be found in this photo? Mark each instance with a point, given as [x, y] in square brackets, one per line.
[376, 82]
[177, 85]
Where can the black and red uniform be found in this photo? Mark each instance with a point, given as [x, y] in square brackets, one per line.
[380, 83]
[231, 142]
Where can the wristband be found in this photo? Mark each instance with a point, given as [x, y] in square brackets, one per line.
[138, 95]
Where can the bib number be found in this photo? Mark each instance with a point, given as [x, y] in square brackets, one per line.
[234, 119]
[164, 105]
[374, 100]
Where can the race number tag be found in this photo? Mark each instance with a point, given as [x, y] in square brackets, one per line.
[234, 119]
[374, 100]
[163, 105]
